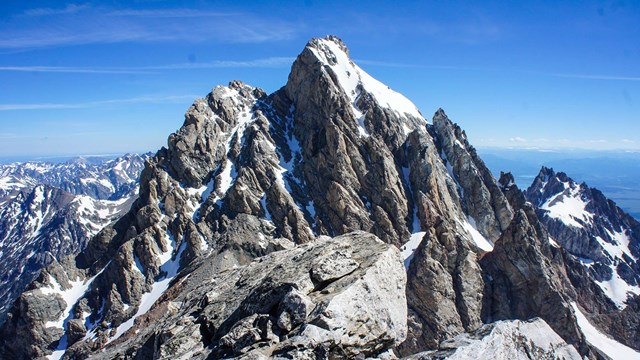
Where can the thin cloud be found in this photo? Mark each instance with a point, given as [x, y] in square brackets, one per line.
[628, 141]
[65, 69]
[91, 104]
[598, 77]
[266, 62]
[416, 66]
[69, 9]
[81, 25]
[271, 62]
[518, 139]
[172, 13]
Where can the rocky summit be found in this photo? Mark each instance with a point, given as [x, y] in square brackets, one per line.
[329, 219]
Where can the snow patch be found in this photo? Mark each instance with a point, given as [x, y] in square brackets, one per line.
[554, 243]
[169, 267]
[482, 242]
[349, 76]
[568, 206]
[409, 248]
[71, 296]
[263, 203]
[607, 345]
[617, 289]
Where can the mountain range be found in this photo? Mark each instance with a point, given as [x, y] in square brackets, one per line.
[49, 211]
[330, 219]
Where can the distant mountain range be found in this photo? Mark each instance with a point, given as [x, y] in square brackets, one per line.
[49, 210]
[615, 173]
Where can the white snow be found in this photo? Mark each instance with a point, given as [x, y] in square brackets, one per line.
[208, 190]
[617, 289]
[568, 206]
[482, 242]
[10, 183]
[553, 242]
[170, 266]
[409, 248]
[196, 198]
[622, 244]
[349, 76]
[263, 203]
[228, 174]
[285, 170]
[71, 297]
[449, 167]
[204, 245]
[137, 265]
[227, 177]
[607, 345]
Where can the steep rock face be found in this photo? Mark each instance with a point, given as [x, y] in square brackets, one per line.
[445, 282]
[527, 276]
[350, 141]
[444, 289]
[526, 280]
[532, 339]
[481, 196]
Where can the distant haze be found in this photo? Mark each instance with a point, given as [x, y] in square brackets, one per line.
[616, 174]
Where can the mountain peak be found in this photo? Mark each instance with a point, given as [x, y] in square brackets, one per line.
[333, 39]
[334, 59]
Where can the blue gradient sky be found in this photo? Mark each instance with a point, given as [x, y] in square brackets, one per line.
[112, 77]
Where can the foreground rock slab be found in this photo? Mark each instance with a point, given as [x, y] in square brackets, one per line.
[335, 297]
[515, 339]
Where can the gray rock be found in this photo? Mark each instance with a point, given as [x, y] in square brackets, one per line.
[515, 339]
[481, 196]
[364, 312]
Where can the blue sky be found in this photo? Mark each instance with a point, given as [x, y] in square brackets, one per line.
[113, 77]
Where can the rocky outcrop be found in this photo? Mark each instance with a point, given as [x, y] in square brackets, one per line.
[526, 280]
[532, 339]
[480, 194]
[444, 289]
[340, 297]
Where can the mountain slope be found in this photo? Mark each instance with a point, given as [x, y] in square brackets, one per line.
[593, 228]
[602, 245]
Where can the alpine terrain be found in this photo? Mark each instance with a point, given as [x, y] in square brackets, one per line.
[330, 219]
[49, 211]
